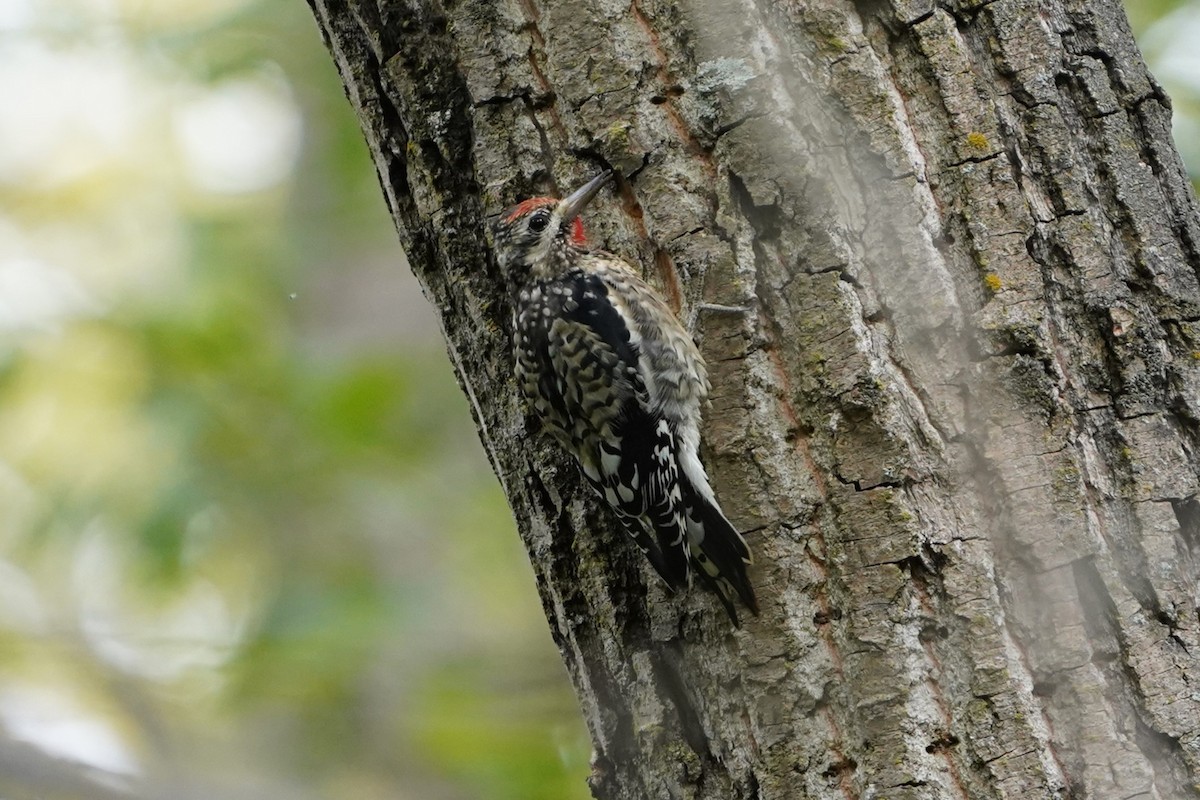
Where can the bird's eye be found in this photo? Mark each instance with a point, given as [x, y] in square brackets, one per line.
[539, 221]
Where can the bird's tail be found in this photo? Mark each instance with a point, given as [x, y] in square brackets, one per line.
[719, 553]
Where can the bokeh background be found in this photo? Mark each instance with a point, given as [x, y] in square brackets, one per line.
[249, 543]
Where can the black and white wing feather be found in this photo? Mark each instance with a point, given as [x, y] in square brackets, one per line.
[580, 369]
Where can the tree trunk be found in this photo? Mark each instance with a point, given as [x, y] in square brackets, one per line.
[959, 416]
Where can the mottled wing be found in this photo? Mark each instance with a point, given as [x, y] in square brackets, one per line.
[599, 406]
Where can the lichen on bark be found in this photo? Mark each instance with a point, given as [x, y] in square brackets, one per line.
[957, 417]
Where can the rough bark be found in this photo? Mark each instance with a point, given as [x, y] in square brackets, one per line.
[959, 418]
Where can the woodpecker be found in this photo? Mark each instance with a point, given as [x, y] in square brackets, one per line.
[618, 382]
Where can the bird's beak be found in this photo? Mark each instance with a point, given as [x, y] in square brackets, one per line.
[578, 200]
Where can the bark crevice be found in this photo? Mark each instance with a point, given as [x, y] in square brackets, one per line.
[942, 261]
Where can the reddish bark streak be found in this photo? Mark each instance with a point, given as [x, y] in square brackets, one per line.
[668, 275]
[692, 145]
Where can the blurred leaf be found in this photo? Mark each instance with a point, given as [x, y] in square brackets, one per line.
[491, 729]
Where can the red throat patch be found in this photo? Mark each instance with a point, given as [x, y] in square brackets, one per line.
[524, 207]
[577, 234]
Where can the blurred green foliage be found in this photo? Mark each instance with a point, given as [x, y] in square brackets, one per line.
[254, 537]
[249, 544]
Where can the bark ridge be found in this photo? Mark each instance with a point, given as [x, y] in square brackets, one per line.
[958, 417]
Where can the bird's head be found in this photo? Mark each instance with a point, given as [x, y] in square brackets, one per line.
[540, 234]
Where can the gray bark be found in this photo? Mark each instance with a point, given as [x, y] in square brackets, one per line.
[959, 417]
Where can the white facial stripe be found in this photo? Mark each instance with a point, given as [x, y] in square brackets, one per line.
[545, 239]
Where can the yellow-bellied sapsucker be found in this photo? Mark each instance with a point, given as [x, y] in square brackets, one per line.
[619, 383]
